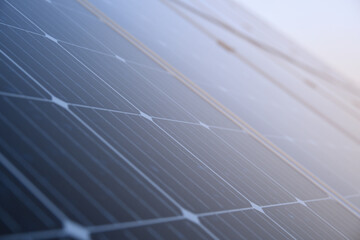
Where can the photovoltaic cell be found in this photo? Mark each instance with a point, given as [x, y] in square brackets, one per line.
[12, 80]
[336, 216]
[160, 157]
[20, 211]
[9, 16]
[248, 224]
[300, 222]
[324, 172]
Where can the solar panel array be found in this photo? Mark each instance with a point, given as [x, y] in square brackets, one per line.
[99, 141]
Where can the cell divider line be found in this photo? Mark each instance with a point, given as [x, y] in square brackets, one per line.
[133, 224]
[28, 97]
[206, 214]
[59, 40]
[220, 107]
[31, 98]
[25, 72]
[20, 29]
[102, 109]
[130, 62]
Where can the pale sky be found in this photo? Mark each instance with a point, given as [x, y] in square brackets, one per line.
[330, 29]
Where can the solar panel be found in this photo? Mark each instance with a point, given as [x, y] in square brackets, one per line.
[101, 139]
[255, 86]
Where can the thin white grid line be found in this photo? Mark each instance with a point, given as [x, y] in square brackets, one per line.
[32, 98]
[282, 137]
[105, 46]
[353, 196]
[130, 62]
[147, 222]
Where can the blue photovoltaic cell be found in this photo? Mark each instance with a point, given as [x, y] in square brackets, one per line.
[232, 226]
[178, 171]
[9, 16]
[135, 87]
[299, 221]
[20, 211]
[14, 81]
[345, 221]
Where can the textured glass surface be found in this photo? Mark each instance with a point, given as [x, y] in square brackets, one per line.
[100, 141]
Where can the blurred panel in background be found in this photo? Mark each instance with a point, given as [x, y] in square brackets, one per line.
[329, 29]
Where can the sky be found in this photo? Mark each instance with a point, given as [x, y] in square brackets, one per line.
[330, 29]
